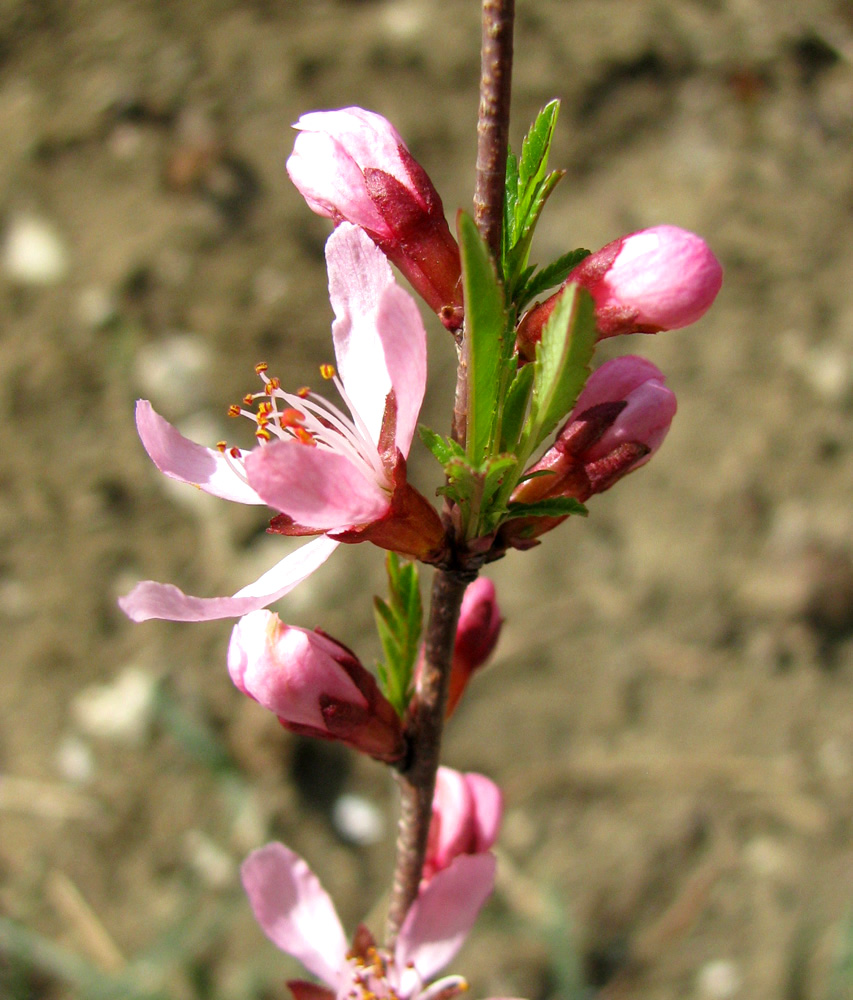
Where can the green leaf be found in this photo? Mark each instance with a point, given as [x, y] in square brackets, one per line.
[399, 622]
[444, 449]
[553, 507]
[562, 363]
[515, 407]
[535, 149]
[485, 332]
[510, 200]
[550, 276]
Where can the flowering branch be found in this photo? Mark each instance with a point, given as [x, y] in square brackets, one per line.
[427, 714]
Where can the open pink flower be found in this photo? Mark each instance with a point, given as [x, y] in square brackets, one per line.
[656, 279]
[352, 165]
[466, 816]
[297, 915]
[314, 684]
[327, 472]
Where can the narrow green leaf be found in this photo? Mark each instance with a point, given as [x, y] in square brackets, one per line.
[510, 200]
[553, 507]
[515, 408]
[551, 276]
[399, 622]
[444, 449]
[485, 330]
[536, 147]
[562, 362]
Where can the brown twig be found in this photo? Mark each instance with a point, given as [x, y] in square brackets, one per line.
[417, 781]
[493, 120]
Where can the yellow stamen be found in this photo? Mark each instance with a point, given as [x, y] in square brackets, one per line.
[233, 410]
[262, 367]
[327, 371]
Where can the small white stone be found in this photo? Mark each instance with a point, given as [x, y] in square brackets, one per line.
[719, 980]
[75, 760]
[120, 711]
[357, 820]
[33, 252]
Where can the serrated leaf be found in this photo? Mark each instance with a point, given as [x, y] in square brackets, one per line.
[399, 622]
[533, 161]
[553, 507]
[443, 449]
[485, 331]
[493, 479]
[510, 200]
[562, 362]
[515, 408]
[551, 276]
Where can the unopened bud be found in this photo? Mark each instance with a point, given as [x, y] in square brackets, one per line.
[476, 636]
[314, 684]
[656, 279]
[351, 165]
[619, 421]
[467, 809]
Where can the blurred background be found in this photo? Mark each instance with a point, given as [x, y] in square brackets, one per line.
[670, 712]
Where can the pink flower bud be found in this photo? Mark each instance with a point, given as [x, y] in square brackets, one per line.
[466, 818]
[656, 279]
[315, 685]
[352, 165]
[619, 421]
[476, 636]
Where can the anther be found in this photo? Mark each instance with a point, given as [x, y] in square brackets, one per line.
[304, 392]
[233, 410]
[221, 446]
[261, 368]
[306, 437]
[262, 434]
[327, 371]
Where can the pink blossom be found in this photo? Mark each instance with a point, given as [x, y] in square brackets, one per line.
[314, 684]
[619, 421]
[297, 915]
[352, 165]
[466, 816]
[661, 278]
[327, 472]
[476, 636]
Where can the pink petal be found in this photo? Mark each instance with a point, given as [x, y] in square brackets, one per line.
[317, 488]
[331, 182]
[488, 809]
[380, 340]
[370, 139]
[294, 910]
[163, 600]
[188, 462]
[453, 827]
[439, 920]
[614, 380]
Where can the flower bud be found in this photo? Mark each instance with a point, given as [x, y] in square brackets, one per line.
[619, 421]
[476, 636]
[656, 279]
[315, 685]
[466, 818]
[352, 165]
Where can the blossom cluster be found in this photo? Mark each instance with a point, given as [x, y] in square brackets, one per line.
[337, 471]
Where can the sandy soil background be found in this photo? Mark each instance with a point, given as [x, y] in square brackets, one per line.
[671, 709]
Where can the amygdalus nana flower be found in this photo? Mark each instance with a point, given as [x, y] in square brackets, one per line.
[314, 684]
[619, 421]
[352, 165]
[326, 471]
[467, 809]
[298, 916]
[662, 278]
